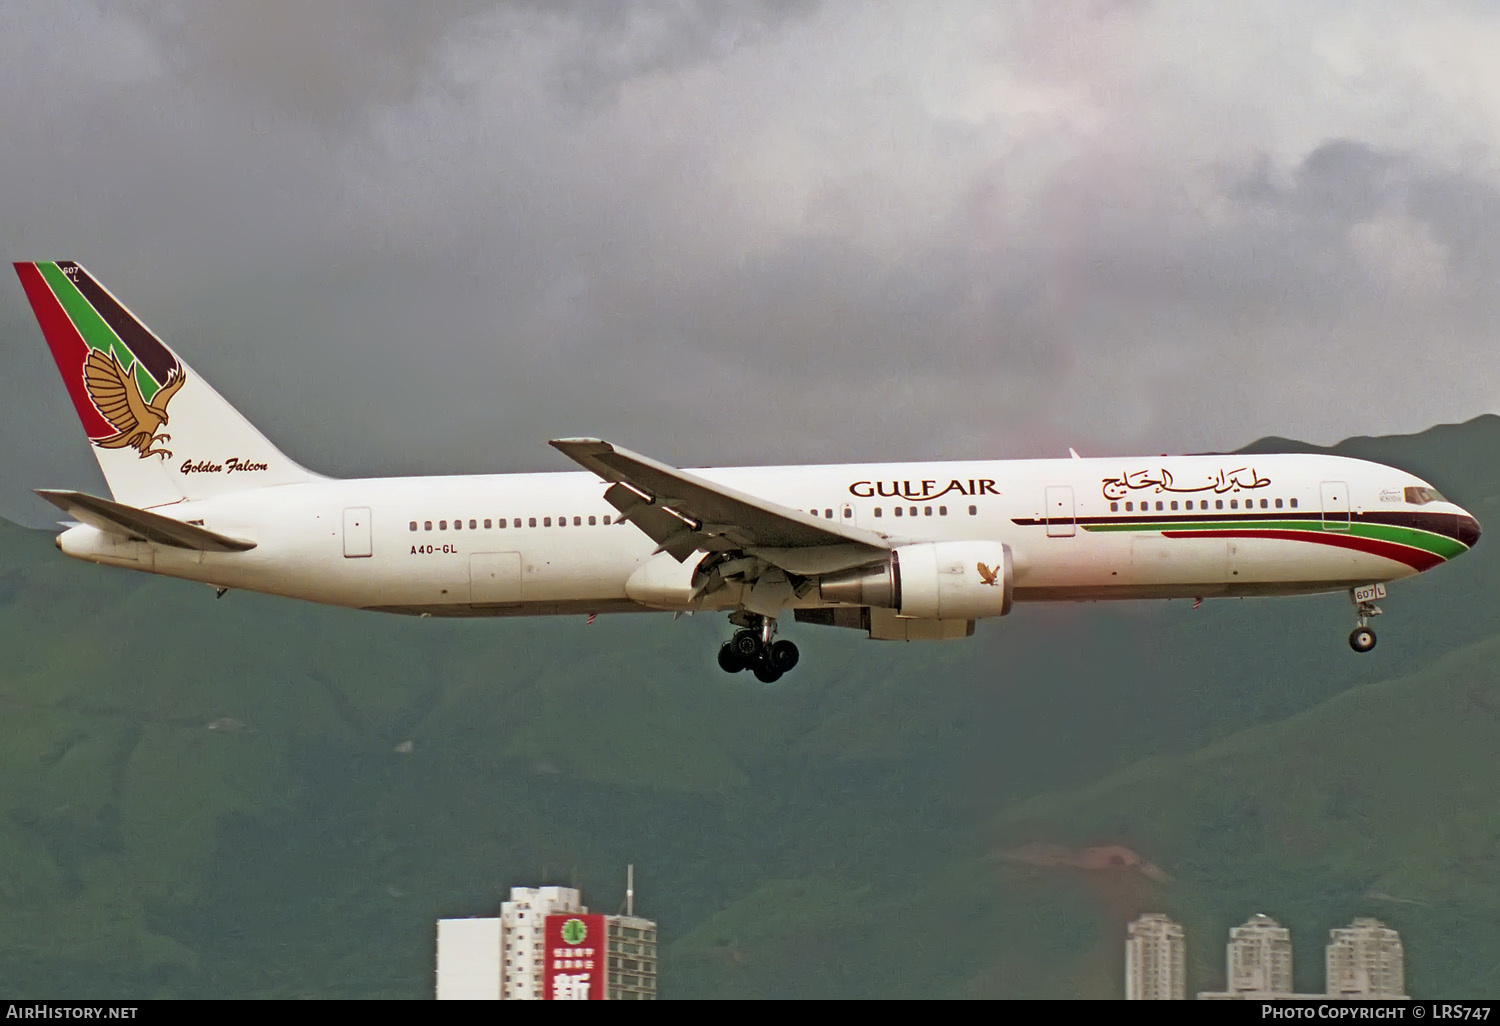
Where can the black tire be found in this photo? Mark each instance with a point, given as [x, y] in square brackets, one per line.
[1362, 639]
[784, 656]
[766, 674]
[729, 659]
[746, 645]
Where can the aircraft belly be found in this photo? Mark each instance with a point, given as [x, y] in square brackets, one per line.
[1280, 561]
[557, 574]
[1082, 560]
[1151, 565]
[1155, 559]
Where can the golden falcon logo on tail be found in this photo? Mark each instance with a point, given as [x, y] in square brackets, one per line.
[118, 398]
[988, 576]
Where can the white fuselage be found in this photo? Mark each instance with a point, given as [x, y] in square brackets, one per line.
[1086, 529]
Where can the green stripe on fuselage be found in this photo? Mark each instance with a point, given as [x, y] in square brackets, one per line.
[1428, 541]
[95, 332]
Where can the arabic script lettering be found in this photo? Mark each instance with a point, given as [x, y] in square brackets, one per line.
[1158, 481]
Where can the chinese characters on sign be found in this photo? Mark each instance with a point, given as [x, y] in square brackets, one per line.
[574, 952]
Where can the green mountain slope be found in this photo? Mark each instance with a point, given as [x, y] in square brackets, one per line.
[207, 797]
[1377, 802]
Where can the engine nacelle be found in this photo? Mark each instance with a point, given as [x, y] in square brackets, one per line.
[957, 580]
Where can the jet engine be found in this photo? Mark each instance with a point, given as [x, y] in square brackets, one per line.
[957, 580]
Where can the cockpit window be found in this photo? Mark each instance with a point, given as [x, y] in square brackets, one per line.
[1422, 496]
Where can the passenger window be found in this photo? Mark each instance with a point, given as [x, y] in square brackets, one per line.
[828, 514]
[458, 525]
[473, 525]
[1234, 503]
[973, 511]
[442, 525]
[1218, 504]
[1114, 507]
[546, 521]
[848, 512]
[1130, 507]
[927, 512]
[1278, 503]
[486, 523]
[427, 525]
[1265, 503]
[1158, 505]
[562, 521]
[877, 511]
[413, 525]
[606, 521]
[1174, 503]
[1294, 503]
[531, 521]
[898, 511]
[942, 511]
[501, 523]
[578, 521]
[1188, 504]
[914, 511]
[593, 521]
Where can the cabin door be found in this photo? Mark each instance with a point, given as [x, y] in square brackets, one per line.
[1060, 519]
[357, 532]
[1335, 506]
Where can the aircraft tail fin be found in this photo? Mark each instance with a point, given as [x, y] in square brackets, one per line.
[160, 432]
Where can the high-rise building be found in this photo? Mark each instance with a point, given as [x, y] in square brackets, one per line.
[1365, 960]
[522, 920]
[546, 945]
[1260, 957]
[630, 958]
[468, 959]
[1155, 960]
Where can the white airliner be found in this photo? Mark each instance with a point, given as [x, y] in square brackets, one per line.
[903, 551]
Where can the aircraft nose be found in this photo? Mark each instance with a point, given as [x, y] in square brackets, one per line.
[1468, 529]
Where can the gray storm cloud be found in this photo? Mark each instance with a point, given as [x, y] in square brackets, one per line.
[760, 232]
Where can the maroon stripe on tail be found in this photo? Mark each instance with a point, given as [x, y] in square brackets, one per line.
[68, 347]
[1419, 559]
[148, 349]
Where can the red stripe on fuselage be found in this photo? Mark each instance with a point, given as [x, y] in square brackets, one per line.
[1419, 559]
[68, 347]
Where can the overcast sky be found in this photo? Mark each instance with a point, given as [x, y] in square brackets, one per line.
[425, 238]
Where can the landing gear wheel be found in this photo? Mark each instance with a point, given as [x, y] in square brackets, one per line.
[783, 656]
[729, 659]
[746, 645]
[766, 673]
[1362, 639]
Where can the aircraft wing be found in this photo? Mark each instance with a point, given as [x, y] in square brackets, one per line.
[129, 522]
[684, 513]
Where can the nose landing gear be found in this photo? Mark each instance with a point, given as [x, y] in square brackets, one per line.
[753, 649]
[1362, 638]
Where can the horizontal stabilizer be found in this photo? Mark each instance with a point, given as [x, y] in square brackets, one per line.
[117, 518]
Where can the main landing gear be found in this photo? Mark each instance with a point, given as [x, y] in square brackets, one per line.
[753, 649]
[1362, 638]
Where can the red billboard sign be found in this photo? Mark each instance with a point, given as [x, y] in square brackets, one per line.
[574, 958]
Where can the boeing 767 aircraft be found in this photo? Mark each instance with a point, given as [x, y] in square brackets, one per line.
[901, 551]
